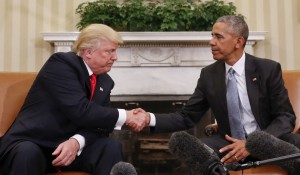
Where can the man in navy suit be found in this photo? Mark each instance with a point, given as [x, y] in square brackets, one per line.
[263, 100]
[61, 126]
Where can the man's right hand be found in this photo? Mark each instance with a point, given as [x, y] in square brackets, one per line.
[65, 153]
[137, 119]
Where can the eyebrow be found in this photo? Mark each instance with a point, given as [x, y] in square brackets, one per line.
[218, 34]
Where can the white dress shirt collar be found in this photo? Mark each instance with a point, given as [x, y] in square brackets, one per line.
[88, 68]
[238, 67]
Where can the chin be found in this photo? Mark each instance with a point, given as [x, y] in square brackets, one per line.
[215, 57]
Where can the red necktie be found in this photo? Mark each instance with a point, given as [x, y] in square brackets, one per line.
[93, 85]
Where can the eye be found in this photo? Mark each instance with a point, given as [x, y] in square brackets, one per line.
[219, 36]
[109, 52]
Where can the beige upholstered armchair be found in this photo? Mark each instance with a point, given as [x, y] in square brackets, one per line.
[13, 90]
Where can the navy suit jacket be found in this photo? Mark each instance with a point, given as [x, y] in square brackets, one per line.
[267, 95]
[58, 106]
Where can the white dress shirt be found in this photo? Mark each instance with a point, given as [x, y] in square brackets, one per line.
[248, 119]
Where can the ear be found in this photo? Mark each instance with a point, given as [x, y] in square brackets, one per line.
[87, 53]
[240, 42]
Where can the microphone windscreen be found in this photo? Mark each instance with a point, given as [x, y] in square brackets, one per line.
[263, 146]
[123, 168]
[192, 151]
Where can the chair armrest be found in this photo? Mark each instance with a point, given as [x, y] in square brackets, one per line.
[211, 129]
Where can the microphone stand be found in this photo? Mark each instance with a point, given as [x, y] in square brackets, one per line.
[264, 162]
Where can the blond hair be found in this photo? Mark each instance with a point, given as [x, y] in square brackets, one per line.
[92, 35]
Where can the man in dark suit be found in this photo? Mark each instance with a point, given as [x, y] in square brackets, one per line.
[61, 124]
[263, 100]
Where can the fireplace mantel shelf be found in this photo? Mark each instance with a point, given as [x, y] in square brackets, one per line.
[53, 37]
[163, 63]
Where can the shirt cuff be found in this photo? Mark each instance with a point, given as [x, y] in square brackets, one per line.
[81, 140]
[121, 119]
[152, 120]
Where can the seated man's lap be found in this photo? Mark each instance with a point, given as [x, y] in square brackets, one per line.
[291, 138]
[25, 155]
[103, 152]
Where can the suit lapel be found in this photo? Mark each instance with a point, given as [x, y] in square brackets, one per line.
[252, 83]
[221, 86]
[101, 89]
[97, 88]
[85, 76]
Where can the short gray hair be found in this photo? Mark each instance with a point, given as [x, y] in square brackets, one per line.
[237, 25]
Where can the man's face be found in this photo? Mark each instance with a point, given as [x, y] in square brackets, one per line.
[101, 59]
[224, 45]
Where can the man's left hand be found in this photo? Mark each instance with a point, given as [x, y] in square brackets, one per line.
[236, 151]
[65, 152]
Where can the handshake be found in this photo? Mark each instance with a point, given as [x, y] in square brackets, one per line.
[137, 119]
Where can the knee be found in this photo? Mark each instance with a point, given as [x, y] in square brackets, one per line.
[25, 157]
[292, 138]
[113, 145]
[28, 151]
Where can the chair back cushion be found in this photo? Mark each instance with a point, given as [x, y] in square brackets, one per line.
[13, 90]
[292, 83]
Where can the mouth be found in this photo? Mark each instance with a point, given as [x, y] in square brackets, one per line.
[214, 51]
[109, 66]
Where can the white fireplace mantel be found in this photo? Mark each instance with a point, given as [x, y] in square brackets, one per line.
[164, 63]
[63, 41]
[151, 36]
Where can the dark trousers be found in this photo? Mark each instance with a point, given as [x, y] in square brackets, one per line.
[27, 158]
[216, 142]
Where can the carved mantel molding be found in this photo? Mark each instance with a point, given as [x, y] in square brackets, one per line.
[141, 37]
[173, 59]
[156, 48]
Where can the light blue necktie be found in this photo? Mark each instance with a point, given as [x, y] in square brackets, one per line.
[233, 104]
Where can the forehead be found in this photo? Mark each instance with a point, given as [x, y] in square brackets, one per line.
[108, 44]
[220, 28]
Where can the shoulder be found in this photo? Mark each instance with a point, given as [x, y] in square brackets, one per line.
[69, 59]
[67, 56]
[105, 77]
[63, 63]
[262, 64]
[106, 80]
[214, 67]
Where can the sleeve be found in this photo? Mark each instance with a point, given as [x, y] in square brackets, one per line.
[280, 111]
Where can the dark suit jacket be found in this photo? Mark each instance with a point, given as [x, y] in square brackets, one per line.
[58, 106]
[267, 95]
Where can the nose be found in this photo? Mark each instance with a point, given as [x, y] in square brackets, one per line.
[114, 56]
[212, 41]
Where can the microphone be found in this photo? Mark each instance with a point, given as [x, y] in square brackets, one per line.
[198, 156]
[123, 168]
[238, 167]
[263, 146]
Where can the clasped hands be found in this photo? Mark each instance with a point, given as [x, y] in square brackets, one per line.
[137, 119]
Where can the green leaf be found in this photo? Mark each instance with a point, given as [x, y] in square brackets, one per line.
[154, 15]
